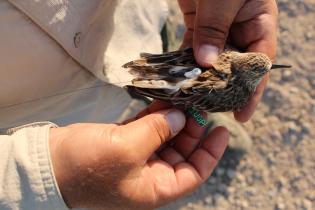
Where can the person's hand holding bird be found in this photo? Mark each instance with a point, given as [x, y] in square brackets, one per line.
[246, 24]
[210, 77]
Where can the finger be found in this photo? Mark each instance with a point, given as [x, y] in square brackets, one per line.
[191, 174]
[252, 9]
[188, 39]
[247, 111]
[266, 45]
[192, 128]
[188, 8]
[269, 22]
[187, 141]
[153, 107]
[212, 25]
[188, 175]
[206, 158]
[171, 156]
[147, 134]
[256, 27]
[154, 157]
[258, 35]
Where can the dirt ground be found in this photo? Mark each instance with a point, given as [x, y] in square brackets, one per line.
[278, 171]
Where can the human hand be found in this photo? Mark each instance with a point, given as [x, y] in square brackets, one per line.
[246, 24]
[109, 166]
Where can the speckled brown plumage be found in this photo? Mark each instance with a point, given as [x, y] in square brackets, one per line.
[177, 78]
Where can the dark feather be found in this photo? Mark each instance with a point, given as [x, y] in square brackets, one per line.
[164, 77]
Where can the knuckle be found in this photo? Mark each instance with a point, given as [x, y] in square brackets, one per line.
[158, 128]
[113, 133]
[213, 31]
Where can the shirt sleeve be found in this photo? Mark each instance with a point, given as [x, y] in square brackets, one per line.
[26, 175]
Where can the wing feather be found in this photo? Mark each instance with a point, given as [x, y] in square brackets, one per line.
[164, 77]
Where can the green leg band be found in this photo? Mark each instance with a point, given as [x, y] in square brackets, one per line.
[197, 116]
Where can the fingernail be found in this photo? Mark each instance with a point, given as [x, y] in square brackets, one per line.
[208, 53]
[176, 121]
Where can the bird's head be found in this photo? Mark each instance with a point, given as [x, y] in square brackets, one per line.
[252, 65]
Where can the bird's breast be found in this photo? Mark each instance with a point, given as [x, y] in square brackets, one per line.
[231, 98]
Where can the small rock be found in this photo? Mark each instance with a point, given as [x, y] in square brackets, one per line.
[280, 206]
[190, 205]
[240, 177]
[263, 121]
[212, 181]
[244, 204]
[231, 199]
[284, 191]
[273, 120]
[238, 202]
[222, 187]
[292, 126]
[231, 173]
[208, 200]
[220, 171]
[294, 90]
[287, 73]
[271, 193]
[258, 205]
[308, 35]
[250, 192]
[244, 184]
[283, 181]
[276, 135]
[307, 204]
[307, 126]
[231, 190]
[218, 198]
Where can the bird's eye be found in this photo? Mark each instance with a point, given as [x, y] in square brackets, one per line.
[262, 69]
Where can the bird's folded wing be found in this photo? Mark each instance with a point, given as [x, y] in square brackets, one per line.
[173, 71]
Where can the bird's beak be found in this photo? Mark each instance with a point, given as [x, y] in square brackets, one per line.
[277, 66]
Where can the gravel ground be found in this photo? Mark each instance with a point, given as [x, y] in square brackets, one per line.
[278, 171]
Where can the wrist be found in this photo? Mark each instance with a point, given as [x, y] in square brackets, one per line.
[60, 164]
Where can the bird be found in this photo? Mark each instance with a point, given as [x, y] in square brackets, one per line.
[176, 77]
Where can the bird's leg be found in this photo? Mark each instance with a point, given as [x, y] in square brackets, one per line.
[197, 116]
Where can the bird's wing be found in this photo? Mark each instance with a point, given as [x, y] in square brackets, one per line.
[162, 71]
[173, 76]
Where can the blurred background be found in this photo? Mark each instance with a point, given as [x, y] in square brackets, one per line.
[270, 163]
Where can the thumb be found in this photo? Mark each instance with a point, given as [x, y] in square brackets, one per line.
[147, 134]
[213, 21]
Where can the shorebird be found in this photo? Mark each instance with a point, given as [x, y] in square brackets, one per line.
[176, 77]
